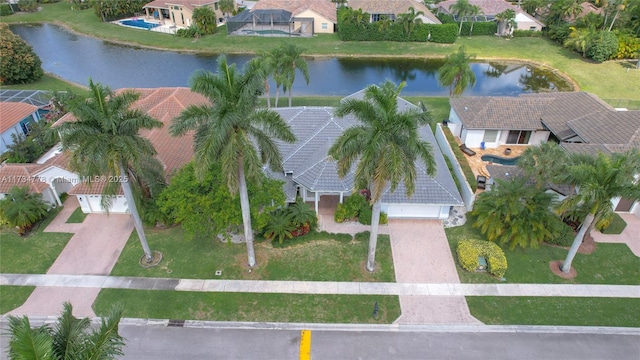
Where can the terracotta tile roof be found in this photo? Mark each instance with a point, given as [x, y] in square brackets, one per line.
[392, 7]
[13, 112]
[488, 7]
[189, 4]
[21, 175]
[323, 7]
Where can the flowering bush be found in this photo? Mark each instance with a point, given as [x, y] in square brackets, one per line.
[469, 251]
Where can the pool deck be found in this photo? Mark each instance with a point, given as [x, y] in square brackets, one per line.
[479, 167]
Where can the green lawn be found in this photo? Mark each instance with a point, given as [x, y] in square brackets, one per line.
[34, 253]
[318, 260]
[77, 216]
[610, 80]
[556, 311]
[13, 296]
[249, 307]
[609, 264]
[616, 226]
[49, 83]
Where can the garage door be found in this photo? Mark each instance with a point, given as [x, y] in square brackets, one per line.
[413, 211]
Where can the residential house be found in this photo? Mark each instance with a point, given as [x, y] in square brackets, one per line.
[180, 12]
[490, 8]
[390, 9]
[17, 117]
[320, 15]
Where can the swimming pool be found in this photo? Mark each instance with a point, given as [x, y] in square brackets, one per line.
[139, 23]
[500, 160]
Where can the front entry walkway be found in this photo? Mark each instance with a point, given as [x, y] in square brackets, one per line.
[630, 235]
[92, 250]
[421, 254]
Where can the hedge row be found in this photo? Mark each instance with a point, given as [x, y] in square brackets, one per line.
[479, 28]
[469, 251]
[444, 34]
[526, 33]
[461, 158]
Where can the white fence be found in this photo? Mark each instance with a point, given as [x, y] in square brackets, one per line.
[468, 197]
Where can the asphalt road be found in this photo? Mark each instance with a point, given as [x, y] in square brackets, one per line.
[160, 342]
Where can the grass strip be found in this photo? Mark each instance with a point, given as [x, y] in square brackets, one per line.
[559, 311]
[350, 309]
[77, 216]
[12, 297]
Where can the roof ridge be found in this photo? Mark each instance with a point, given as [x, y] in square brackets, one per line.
[313, 136]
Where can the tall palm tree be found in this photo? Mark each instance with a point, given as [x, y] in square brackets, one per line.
[233, 131]
[409, 20]
[105, 143]
[456, 72]
[461, 9]
[506, 21]
[579, 39]
[621, 5]
[474, 10]
[385, 146]
[291, 60]
[268, 64]
[70, 337]
[227, 7]
[354, 17]
[543, 163]
[598, 179]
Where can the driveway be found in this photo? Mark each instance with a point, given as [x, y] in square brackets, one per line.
[92, 250]
[421, 254]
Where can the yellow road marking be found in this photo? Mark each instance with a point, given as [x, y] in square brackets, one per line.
[305, 345]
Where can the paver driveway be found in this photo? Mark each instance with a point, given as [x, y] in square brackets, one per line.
[92, 250]
[421, 254]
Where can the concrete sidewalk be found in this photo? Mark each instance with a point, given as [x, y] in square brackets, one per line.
[79, 282]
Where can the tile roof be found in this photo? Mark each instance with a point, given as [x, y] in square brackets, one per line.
[322, 7]
[188, 4]
[608, 127]
[316, 129]
[395, 7]
[13, 112]
[21, 175]
[489, 7]
[500, 112]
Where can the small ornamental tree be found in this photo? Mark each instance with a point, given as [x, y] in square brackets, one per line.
[19, 64]
[205, 19]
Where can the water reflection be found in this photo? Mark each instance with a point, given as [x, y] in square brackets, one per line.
[77, 58]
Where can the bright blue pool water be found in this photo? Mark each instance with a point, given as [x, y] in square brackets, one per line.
[500, 160]
[139, 24]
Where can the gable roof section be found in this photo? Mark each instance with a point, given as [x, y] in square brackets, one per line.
[13, 112]
[499, 113]
[392, 7]
[187, 4]
[324, 8]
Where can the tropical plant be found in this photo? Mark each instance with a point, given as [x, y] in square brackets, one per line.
[105, 142]
[580, 40]
[621, 5]
[227, 7]
[290, 61]
[22, 209]
[357, 17]
[515, 214]
[456, 72]
[598, 179]
[409, 20]
[233, 131]
[474, 10]
[543, 163]
[205, 19]
[506, 22]
[69, 338]
[19, 64]
[267, 62]
[280, 226]
[386, 148]
[461, 9]
[302, 214]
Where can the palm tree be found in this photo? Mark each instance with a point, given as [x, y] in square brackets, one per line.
[354, 17]
[291, 60]
[579, 39]
[515, 214]
[22, 209]
[268, 63]
[227, 7]
[461, 9]
[474, 10]
[543, 163]
[598, 179]
[233, 131]
[409, 20]
[70, 337]
[506, 21]
[456, 72]
[385, 146]
[105, 142]
[620, 6]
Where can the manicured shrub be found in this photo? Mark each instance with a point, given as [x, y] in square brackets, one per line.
[461, 158]
[446, 33]
[563, 236]
[604, 46]
[5, 10]
[28, 5]
[479, 28]
[190, 32]
[19, 64]
[109, 10]
[526, 33]
[469, 250]
[350, 208]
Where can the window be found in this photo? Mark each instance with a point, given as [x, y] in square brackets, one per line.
[490, 136]
[378, 17]
[518, 137]
[325, 26]
[215, 6]
[532, 28]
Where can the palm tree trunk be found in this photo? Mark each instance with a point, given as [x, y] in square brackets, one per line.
[277, 94]
[614, 20]
[133, 210]
[373, 237]
[460, 29]
[290, 94]
[246, 214]
[586, 224]
[471, 31]
[266, 89]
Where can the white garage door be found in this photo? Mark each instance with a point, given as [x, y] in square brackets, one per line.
[413, 211]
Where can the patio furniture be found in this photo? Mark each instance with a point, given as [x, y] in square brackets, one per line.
[466, 150]
[482, 182]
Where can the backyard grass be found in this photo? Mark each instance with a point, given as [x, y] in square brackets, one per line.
[77, 216]
[150, 304]
[610, 80]
[561, 311]
[49, 83]
[13, 296]
[318, 260]
[613, 264]
[616, 226]
[34, 253]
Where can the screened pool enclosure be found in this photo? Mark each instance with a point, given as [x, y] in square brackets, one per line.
[269, 23]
